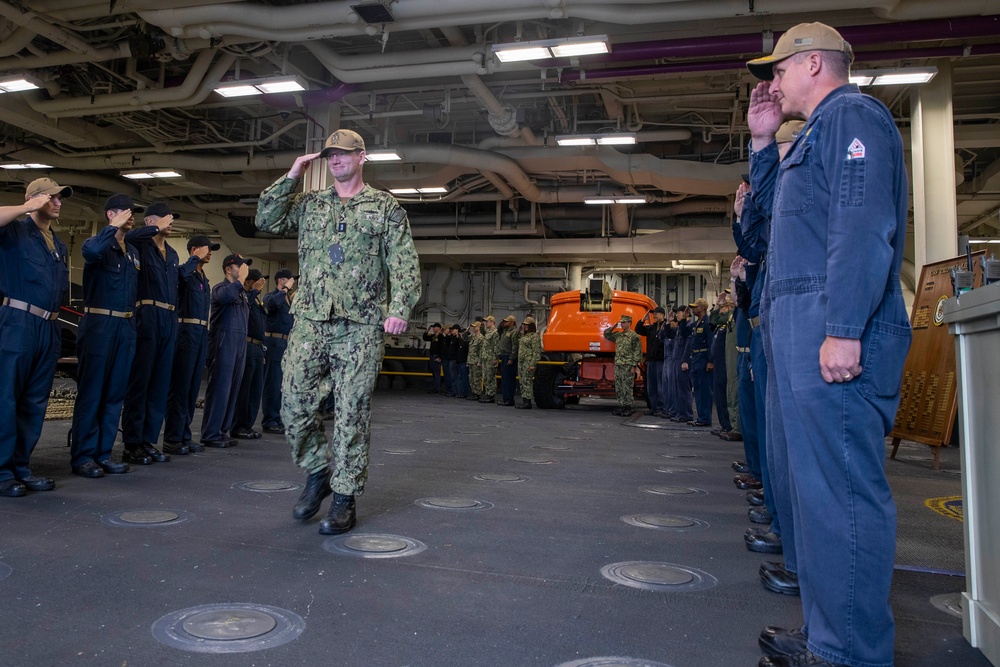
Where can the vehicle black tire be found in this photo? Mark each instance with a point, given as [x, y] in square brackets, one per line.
[547, 378]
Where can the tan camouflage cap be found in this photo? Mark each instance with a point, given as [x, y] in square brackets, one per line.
[489, 318]
[799, 39]
[345, 140]
[510, 318]
[528, 320]
[46, 186]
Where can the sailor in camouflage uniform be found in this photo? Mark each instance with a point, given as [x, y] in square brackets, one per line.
[529, 353]
[475, 363]
[488, 360]
[360, 278]
[628, 353]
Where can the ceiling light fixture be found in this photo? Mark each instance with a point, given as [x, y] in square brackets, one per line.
[551, 48]
[984, 240]
[622, 139]
[17, 84]
[383, 156]
[266, 85]
[140, 175]
[623, 199]
[903, 76]
[26, 165]
[419, 191]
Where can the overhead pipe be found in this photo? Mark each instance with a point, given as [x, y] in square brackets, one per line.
[619, 219]
[42, 27]
[16, 41]
[197, 86]
[326, 56]
[68, 57]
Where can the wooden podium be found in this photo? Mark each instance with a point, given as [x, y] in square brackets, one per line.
[928, 400]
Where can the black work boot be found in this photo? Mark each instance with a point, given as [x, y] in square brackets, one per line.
[341, 518]
[524, 405]
[317, 488]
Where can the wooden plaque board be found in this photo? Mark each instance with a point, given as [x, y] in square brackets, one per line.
[928, 399]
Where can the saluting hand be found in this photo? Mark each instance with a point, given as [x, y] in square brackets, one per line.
[764, 116]
[301, 164]
[201, 252]
[290, 285]
[242, 275]
[741, 195]
[121, 218]
[259, 285]
[35, 203]
[165, 223]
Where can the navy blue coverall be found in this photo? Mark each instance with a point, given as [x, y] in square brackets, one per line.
[682, 378]
[720, 378]
[696, 356]
[194, 295]
[156, 330]
[252, 383]
[836, 247]
[667, 401]
[105, 342]
[277, 326]
[227, 347]
[32, 276]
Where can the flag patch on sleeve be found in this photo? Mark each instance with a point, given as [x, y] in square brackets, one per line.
[856, 150]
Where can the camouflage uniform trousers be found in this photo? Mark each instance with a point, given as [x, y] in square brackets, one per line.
[624, 386]
[489, 371]
[476, 378]
[342, 357]
[526, 378]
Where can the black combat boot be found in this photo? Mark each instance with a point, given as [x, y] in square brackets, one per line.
[341, 518]
[317, 488]
[525, 404]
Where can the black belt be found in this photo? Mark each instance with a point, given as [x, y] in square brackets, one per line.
[271, 334]
[124, 314]
[158, 304]
[255, 341]
[27, 307]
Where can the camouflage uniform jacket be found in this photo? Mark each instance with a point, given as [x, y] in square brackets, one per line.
[491, 345]
[379, 275]
[628, 346]
[529, 351]
[475, 347]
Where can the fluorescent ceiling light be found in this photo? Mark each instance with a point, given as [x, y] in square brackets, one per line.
[27, 165]
[903, 76]
[984, 240]
[17, 84]
[265, 85]
[383, 156]
[419, 191]
[615, 199]
[551, 48]
[620, 139]
[616, 140]
[575, 140]
[140, 175]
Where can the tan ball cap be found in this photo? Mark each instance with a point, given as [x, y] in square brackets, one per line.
[46, 186]
[345, 140]
[788, 132]
[799, 39]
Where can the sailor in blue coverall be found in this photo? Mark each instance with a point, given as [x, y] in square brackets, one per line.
[156, 327]
[194, 295]
[105, 340]
[34, 278]
[252, 383]
[227, 347]
[277, 306]
[838, 228]
[696, 360]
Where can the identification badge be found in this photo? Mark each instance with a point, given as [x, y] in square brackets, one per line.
[342, 227]
[336, 254]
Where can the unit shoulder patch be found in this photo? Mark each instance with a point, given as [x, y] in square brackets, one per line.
[856, 151]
